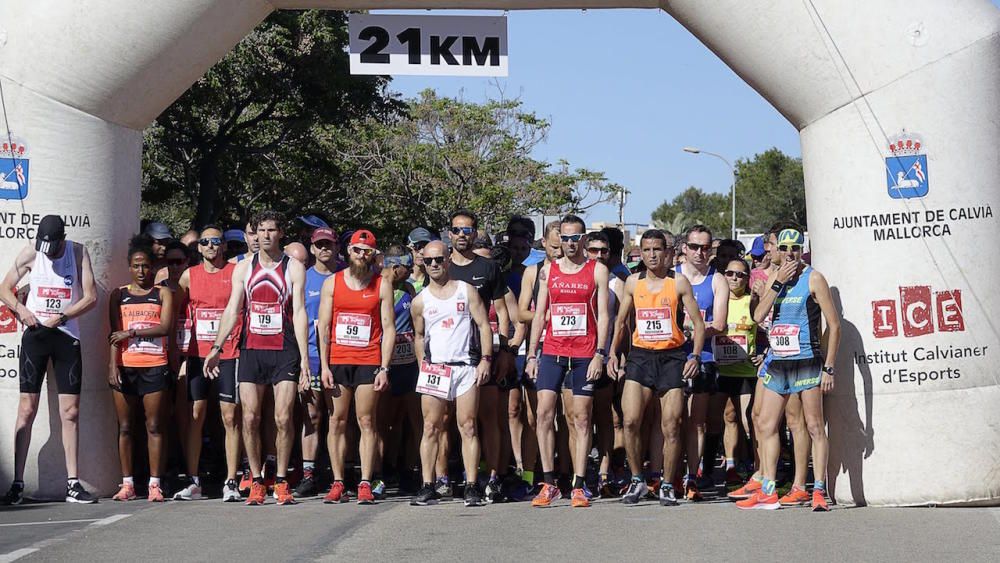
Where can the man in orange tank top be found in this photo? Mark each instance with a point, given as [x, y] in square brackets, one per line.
[357, 334]
[657, 363]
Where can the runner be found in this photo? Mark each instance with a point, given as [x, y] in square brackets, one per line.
[61, 288]
[141, 329]
[454, 345]
[712, 293]
[160, 236]
[357, 335]
[573, 354]
[269, 289]
[658, 363]
[418, 239]
[324, 246]
[487, 277]
[519, 238]
[800, 298]
[252, 241]
[203, 295]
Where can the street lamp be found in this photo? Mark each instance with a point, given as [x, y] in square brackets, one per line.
[732, 189]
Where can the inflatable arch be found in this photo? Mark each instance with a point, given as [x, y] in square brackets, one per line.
[876, 89]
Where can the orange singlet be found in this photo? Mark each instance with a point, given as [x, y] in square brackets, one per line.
[656, 316]
[356, 326]
[139, 312]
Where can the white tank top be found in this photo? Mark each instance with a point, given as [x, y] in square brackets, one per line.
[54, 285]
[448, 327]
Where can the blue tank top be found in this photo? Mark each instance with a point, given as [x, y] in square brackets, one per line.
[514, 283]
[314, 283]
[402, 309]
[704, 294]
[795, 327]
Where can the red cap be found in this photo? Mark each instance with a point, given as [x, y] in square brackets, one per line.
[324, 234]
[363, 238]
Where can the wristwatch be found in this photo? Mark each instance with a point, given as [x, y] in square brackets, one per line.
[601, 352]
[777, 286]
[693, 356]
[487, 357]
[380, 369]
[216, 347]
[828, 370]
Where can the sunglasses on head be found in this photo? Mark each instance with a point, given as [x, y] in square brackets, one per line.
[789, 247]
[599, 250]
[434, 260]
[735, 274]
[462, 231]
[214, 241]
[571, 238]
[699, 247]
[362, 251]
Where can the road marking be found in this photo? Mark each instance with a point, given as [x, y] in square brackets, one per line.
[17, 554]
[95, 520]
[110, 519]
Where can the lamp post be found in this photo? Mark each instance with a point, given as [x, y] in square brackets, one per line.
[732, 189]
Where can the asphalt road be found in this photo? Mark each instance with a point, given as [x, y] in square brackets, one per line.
[210, 530]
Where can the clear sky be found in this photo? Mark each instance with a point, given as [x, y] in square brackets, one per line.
[627, 113]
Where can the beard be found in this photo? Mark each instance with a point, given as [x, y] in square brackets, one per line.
[360, 269]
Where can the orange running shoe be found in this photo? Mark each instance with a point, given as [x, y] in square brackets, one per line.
[245, 483]
[691, 491]
[365, 495]
[579, 499]
[155, 494]
[745, 491]
[125, 492]
[819, 501]
[258, 492]
[760, 501]
[283, 494]
[336, 493]
[797, 496]
[652, 486]
[546, 496]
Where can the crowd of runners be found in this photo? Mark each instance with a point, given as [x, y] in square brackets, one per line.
[523, 366]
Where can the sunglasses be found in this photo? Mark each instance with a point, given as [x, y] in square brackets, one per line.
[418, 246]
[214, 241]
[467, 231]
[571, 238]
[789, 248]
[699, 247]
[434, 260]
[324, 244]
[735, 274]
[362, 251]
[176, 261]
[598, 250]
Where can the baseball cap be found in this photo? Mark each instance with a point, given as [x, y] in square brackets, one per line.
[234, 235]
[158, 231]
[314, 222]
[757, 249]
[790, 236]
[363, 238]
[51, 230]
[421, 234]
[324, 233]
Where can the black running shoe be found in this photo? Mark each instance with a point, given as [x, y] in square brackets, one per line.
[473, 496]
[14, 496]
[426, 496]
[76, 493]
[306, 487]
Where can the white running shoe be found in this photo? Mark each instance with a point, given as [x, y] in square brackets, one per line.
[190, 492]
[231, 492]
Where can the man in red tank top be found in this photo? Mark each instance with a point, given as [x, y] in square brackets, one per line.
[357, 334]
[203, 293]
[268, 287]
[573, 310]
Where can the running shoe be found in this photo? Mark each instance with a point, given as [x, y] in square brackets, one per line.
[231, 491]
[636, 490]
[705, 482]
[492, 492]
[337, 493]
[605, 489]
[77, 494]
[586, 492]
[378, 489]
[473, 496]
[548, 495]
[520, 491]
[245, 483]
[760, 501]
[190, 492]
[14, 496]
[691, 491]
[819, 501]
[365, 495]
[155, 494]
[269, 473]
[125, 492]
[306, 487]
[746, 491]
[579, 499]
[733, 477]
[426, 496]
[796, 496]
[667, 495]
[258, 493]
[442, 487]
[283, 493]
[653, 485]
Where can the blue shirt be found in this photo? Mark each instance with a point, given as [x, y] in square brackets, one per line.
[704, 294]
[314, 285]
[795, 310]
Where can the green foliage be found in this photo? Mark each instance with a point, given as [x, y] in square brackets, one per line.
[691, 207]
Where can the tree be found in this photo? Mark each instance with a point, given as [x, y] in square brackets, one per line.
[444, 153]
[251, 133]
[770, 187]
[691, 207]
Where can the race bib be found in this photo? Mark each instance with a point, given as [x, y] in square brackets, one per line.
[265, 318]
[495, 329]
[784, 340]
[144, 344]
[207, 323]
[403, 352]
[689, 324]
[654, 325]
[353, 329]
[569, 319]
[53, 301]
[183, 333]
[434, 380]
[731, 349]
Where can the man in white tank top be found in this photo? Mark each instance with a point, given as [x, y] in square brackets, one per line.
[454, 346]
[60, 288]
